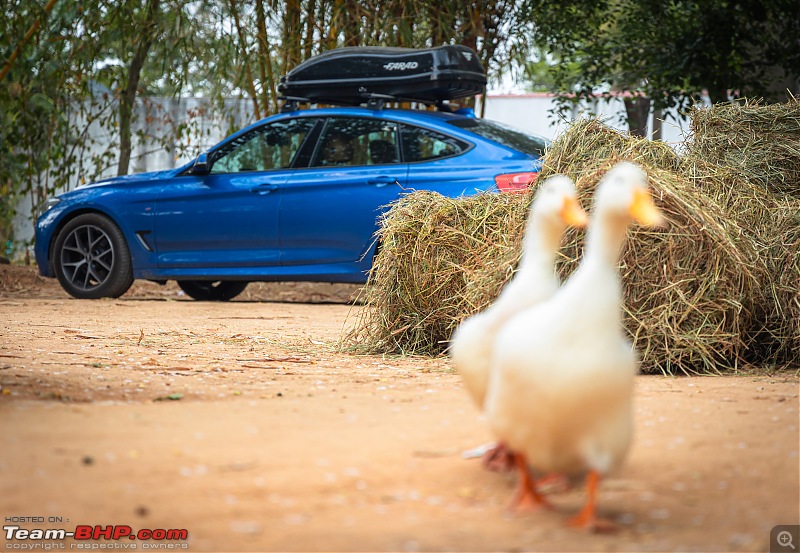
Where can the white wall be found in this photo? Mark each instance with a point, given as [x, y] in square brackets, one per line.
[535, 113]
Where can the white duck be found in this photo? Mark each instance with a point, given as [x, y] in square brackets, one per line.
[554, 207]
[562, 371]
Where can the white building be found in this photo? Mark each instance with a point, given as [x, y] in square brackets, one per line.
[536, 113]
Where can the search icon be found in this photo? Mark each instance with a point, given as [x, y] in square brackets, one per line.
[785, 539]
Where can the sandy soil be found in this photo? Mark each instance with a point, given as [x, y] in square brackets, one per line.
[244, 424]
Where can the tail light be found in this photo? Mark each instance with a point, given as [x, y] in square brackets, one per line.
[515, 183]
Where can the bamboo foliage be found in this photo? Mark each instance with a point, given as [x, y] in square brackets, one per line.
[248, 71]
[71, 68]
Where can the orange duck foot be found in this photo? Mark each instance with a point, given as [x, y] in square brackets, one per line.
[593, 523]
[527, 498]
[588, 518]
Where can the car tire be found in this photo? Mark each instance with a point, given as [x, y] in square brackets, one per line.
[91, 258]
[209, 290]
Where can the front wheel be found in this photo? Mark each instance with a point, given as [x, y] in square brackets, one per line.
[207, 290]
[91, 258]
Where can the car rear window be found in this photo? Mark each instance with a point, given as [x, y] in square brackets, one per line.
[424, 144]
[505, 135]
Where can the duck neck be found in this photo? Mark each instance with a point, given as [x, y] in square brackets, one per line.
[539, 247]
[604, 239]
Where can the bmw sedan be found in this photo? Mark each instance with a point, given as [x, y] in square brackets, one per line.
[296, 196]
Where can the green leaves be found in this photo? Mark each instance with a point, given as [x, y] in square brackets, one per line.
[59, 103]
[671, 50]
[41, 103]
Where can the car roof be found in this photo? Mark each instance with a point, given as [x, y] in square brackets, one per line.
[400, 113]
[435, 118]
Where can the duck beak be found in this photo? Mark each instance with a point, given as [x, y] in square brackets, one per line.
[644, 210]
[572, 213]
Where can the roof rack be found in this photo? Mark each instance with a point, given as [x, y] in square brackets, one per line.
[371, 101]
[291, 103]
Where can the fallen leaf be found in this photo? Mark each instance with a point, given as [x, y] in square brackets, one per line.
[170, 397]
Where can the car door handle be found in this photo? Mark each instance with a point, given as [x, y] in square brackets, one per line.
[263, 189]
[380, 182]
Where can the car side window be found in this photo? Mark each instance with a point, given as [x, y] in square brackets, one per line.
[357, 141]
[272, 146]
[423, 144]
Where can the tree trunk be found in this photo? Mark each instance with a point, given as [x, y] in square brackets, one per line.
[35, 27]
[332, 37]
[637, 109]
[264, 58]
[292, 35]
[126, 101]
[658, 124]
[322, 25]
[441, 21]
[311, 10]
[273, 86]
[352, 23]
[718, 94]
[474, 28]
[248, 73]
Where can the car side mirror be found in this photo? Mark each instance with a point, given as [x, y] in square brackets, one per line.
[200, 166]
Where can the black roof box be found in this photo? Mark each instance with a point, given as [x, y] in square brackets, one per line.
[354, 75]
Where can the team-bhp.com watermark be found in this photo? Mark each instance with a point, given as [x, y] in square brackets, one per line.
[116, 537]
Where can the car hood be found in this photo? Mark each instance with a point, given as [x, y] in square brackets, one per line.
[133, 179]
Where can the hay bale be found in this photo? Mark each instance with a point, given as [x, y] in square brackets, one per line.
[588, 142]
[718, 287]
[780, 317]
[431, 249]
[789, 287]
[758, 142]
[688, 290]
[746, 155]
[760, 222]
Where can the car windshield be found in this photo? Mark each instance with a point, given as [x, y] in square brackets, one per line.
[505, 135]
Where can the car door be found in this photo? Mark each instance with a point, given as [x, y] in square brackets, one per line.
[229, 217]
[330, 210]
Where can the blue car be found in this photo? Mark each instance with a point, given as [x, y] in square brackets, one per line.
[296, 196]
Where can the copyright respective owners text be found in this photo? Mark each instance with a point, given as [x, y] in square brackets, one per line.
[784, 538]
[38, 533]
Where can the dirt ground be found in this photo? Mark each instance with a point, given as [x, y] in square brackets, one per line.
[244, 424]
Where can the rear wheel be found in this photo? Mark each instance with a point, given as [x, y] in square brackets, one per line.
[91, 258]
[207, 290]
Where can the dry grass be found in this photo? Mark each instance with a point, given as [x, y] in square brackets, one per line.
[782, 320]
[758, 142]
[431, 249]
[719, 288]
[746, 155]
